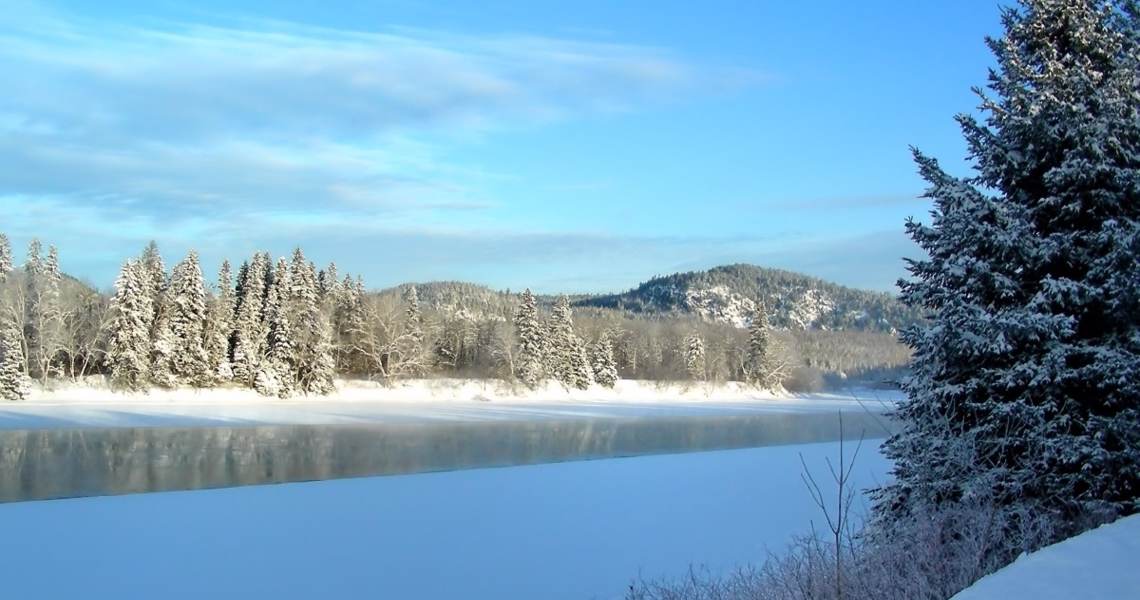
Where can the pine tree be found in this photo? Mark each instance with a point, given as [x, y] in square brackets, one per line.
[189, 361]
[758, 357]
[529, 367]
[567, 354]
[154, 274]
[42, 314]
[14, 382]
[695, 357]
[1031, 356]
[312, 353]
[349, 325]
[5, 258]
[408, 352]
[603, 363]
[328, 282]
[277, 372]
[34, 310]
[220, 327]
[249, 335]
[163, 346]
[413, 320]
[583, 373]
[128, 350]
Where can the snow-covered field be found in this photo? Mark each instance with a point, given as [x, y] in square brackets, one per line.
[1101, 564]
[93, 405]
[570, 530]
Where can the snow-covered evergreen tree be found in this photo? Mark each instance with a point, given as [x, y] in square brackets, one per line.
[163, 347]
[154, 274]
[759, 361]
[350, 325]
[42, 312]
[34, 310]
[328, 282]
[312, 353]
[14, 382]
[1031, 357]
[5, 258]
[695, 357]
[602, 361]
[529, 366]
[249, 335]
[567, 357]
[413, 320]
[277, 372]
[161, 344]
[187, 319]
[128, 351]
[583, 372]
[219, 328]
[34, 259]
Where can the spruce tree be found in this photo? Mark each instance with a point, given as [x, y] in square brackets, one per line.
[350, 323]
[1031, 356]
[187, 320]
[603, 363]
[413, 320]
[163, 346]
[128, 349]
[249, 337]
[277, 372]
[42, 312]
[758, 356]
[566, 357]
[14, 382]
[529, 366]
[328, 282]
[34, 310]
[5, 258]
[154, 274]
[695, 357]
[220, 327]
[583, 373]
[312, 353]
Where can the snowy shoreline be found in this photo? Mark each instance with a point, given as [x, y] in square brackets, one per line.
[92, 404]
[451, 390]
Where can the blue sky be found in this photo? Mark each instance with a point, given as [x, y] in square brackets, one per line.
[566, 146]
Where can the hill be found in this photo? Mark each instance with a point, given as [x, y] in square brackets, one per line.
[724, 294]
[728, 294]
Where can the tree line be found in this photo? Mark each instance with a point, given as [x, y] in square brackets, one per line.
[284, 327]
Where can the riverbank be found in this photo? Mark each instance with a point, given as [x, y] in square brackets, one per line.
[93, 404]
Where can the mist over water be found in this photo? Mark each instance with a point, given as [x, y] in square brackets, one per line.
[59, 463]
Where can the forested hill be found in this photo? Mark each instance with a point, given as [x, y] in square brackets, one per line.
[723, 294]
[727, 294]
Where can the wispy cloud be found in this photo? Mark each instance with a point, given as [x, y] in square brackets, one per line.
[175, 118]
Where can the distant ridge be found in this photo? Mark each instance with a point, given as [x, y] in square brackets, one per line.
[728, 294]
[725, 294]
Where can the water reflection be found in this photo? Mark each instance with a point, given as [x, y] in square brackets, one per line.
[41, 464]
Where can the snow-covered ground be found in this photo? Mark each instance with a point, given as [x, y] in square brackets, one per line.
[93, 405]
[1102, 564]
[570, 530]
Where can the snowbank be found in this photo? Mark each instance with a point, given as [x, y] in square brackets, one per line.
[1098, 564]
[96, 391]
[93, 404]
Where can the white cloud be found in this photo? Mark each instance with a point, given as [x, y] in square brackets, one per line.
[185, 116]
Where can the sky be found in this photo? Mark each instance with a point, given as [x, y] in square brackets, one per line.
[563, 146]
